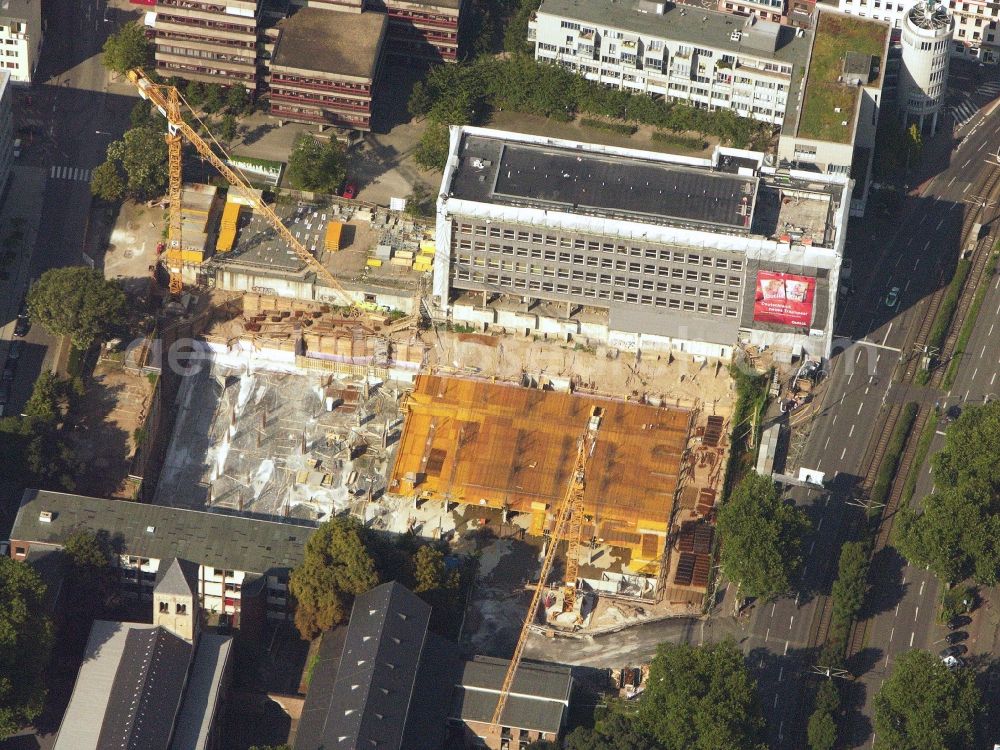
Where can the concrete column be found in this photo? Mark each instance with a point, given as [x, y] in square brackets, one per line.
[934, 123]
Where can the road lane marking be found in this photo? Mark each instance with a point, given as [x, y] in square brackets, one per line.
[983, 352]
[772, 608]
[818, 463]
[835, 418]
[792, 621]
[916, 616]
[967, 395]
[850, 378]
[891, 633]
[775, 701]
[918, 259]
[952, 180]
[991, 330]
[993, 378]
[819, 525]
[786, 649]
[861, 406]
[767, 634]
[912, 636]
[849, 434]
[812, 544]
[940, 223]
[897, 609]
[922, 588]
[976, 372]
[888, 331]
[826, 444]
[781, 671]
[886, 666]
[907, 287]
[967, 162]
[842, 454]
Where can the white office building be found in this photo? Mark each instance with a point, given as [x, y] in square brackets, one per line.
[20, 38]
[708, 59]
[926, 45]
[974, 23]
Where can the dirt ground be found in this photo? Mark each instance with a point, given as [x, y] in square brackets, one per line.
[132, 247]
[113, 408]
[602, 370]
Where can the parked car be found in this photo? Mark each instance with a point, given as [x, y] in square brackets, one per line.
[954, 412]
[956, 637]
[958, 621]
[953, 651]
[892, 298]
[953, 662]
[22, 326]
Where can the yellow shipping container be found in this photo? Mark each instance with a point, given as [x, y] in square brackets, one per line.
[400, 262]
[374, 262]
[227, 227]
[408, 254]
[427, 246]
[333, 231]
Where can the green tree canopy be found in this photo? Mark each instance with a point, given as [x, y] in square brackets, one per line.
[142, 156]
[107, 183]
[226, 131]
[923, 705]
[78, 302]
[213, 99]
[316, 165]
[616, 731]
[849, 589]
[957, 531]
[701, 698]
[336, 567]
[237, 99]
[761, 538]
[428, 569]
[822, 728]
[25, 645]
[92, 576]
[127, 49]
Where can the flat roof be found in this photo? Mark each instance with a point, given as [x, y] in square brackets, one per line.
[328, 41]
[494, 444]
[213, 539]
[686, 23]
[579, 180]
[837, 35]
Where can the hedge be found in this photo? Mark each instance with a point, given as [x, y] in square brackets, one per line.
[612, 127]
[890, 462]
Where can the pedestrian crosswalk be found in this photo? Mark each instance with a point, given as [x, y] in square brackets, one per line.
[69, 173]
[964, 111]
[989, 90]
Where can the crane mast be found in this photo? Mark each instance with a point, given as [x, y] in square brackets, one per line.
[568, 524]
[168, 100]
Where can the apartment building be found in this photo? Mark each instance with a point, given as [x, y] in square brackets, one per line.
[638, 250]
[765, 10]
[241, 565]
[974, 33]
[212, 41]
[6, 128]
[421, 31]
[708, 59]
[20, 38]
[326, 66]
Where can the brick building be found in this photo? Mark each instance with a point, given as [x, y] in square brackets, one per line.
[325, 67]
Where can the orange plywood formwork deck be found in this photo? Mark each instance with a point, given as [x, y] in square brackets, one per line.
[482, 443]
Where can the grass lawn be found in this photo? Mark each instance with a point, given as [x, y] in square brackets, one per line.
[836, 35]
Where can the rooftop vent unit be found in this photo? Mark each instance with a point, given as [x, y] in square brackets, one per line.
[150, 529]
[736, 35]
[45, 516]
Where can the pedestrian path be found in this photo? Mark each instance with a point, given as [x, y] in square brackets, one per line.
[69, 173]
[964, 111]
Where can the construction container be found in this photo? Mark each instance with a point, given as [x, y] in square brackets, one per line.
[333, 232]
[227, 227]
[408, 254]
[397, 261]
[374, 262]
[427, 247]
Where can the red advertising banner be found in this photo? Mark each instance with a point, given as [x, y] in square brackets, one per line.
[784, 298]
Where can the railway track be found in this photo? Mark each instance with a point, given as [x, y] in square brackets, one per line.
[879, 442]
[981, 255]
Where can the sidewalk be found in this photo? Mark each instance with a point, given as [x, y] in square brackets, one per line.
[22, 209]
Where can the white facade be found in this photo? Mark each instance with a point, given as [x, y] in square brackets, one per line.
[20, 38]
[923, 77]
[974, 30]
[6, 128]
[767, 10]
[725, 62]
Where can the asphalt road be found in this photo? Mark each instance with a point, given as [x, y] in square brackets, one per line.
[914, 253]
[66, 119]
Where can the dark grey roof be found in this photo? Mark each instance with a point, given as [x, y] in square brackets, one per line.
[505, 172]
[51, 565]
[329, 41]
[194, 723]
[367, 703]
[440, 669]
[538, 698]
[211, 539]
[180, 578]
[147, 691]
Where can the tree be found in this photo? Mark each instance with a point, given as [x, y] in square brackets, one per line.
[701, 698]
[971, 449]
[848, 591]
[316, 166]
[428, 569]
[106, 182]
[924, 705]
[77, 302]
[46, 398]
[194, 92]
[914, 144]
[432, 150]
[237, 99]
[822, 727]
[226, 132]
[25, 645]
[142, 155]
[213, 98]
[616, 731]
[92, 577]
[127, 49]
[335, 568]
[761, 538]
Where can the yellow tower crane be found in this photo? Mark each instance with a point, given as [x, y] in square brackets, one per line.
[568, 524]
[168, 100]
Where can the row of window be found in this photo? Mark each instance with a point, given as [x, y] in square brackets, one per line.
[677, 256]
[615, 295]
